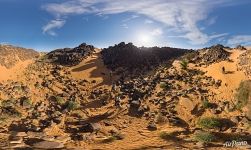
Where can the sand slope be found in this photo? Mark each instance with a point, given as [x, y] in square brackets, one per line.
[15, 72]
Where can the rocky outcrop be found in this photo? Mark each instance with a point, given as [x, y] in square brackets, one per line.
[70, 56]
[131, 57]
[210, 55]
[244, 62]
[240, 47]
[11, 55]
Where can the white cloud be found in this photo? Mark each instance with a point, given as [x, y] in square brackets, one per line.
[124, 26]
[239, 39]
[156, 32]
[147, 21]
[130, 18]
[182, 16]
[211, 20]
[52, 25]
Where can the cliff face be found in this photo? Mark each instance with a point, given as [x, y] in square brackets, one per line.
[11, 55]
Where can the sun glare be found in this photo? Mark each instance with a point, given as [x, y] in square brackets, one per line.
[144, 40]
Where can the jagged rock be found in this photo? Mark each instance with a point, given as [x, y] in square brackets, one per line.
[131, 57]
[212, 54]
[240, 47]
[71, 56]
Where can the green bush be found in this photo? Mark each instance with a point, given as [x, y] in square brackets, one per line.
[7, 103]
[71, 105]
[184, 64]
[203, 136]
[164, 85]
[60, 100]
[209, 123]
[26, 102]
[205, 103]
[243, 94]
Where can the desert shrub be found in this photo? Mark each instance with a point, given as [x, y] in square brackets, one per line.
[3, 118]
[205, 103]
[60, 100]
[243, 94]
[37, 85]
[71, 105]
[26, 102]
[164, 85]
[209, 123]
[7, 103]
[184, 64]
[203, 136]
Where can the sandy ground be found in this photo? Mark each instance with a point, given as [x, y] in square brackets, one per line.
[91, 69]
[231, 79]
[15, 72]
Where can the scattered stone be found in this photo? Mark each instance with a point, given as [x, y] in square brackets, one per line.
[152, 126]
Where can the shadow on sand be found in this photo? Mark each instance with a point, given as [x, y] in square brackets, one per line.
[99, 70]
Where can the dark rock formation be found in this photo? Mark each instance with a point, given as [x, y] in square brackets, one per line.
[240, 47]
[71, 56]
[209, 55]
[131, 57]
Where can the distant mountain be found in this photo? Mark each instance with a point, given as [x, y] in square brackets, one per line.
[10, 55]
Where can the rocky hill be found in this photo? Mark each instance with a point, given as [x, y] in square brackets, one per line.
[11, 55]
[208, 55]
[131, 57]
[71, 56]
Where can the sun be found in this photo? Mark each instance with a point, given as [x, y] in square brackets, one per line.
[144, 39]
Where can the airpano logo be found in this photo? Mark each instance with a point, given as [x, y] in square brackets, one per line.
[235, 143]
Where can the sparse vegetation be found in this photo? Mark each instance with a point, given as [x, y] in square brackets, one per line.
[203, 136]
[243, 94]
[164, 85]
[209, 123]
[60, 100]
[184, 64]
[26, 102]
[205, 104]
[71, 105]
[7, 103]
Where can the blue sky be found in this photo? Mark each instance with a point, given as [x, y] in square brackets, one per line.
[49, 24]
